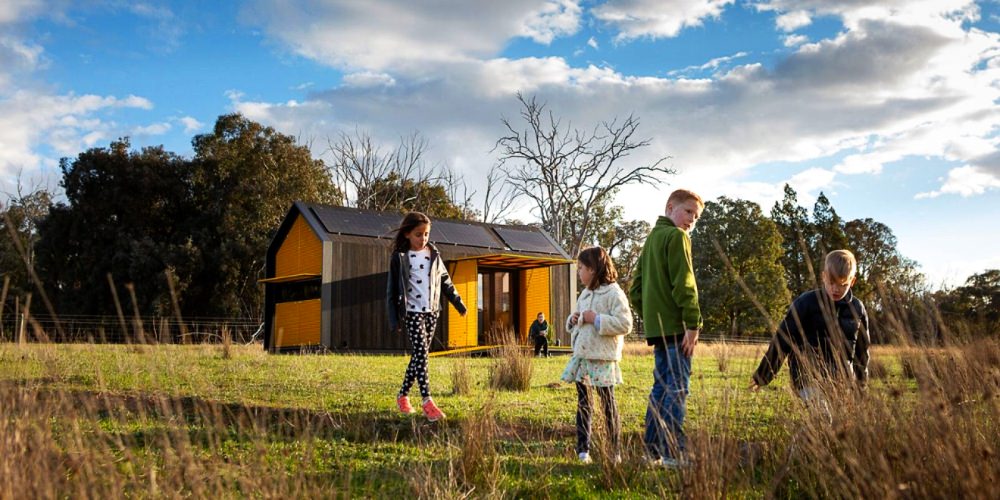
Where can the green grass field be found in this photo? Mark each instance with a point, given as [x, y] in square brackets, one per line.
[167, 420]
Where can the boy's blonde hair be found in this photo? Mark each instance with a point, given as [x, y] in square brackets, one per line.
[682, 195]
[840, 264]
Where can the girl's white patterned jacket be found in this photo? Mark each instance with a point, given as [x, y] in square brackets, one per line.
[606, 343]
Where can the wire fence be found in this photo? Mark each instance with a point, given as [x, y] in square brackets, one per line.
[114, 329]
[711, 338]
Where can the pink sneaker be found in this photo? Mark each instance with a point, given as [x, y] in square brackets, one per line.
[403, 403]
[432, 411]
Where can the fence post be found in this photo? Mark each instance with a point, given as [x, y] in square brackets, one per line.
[20, 321]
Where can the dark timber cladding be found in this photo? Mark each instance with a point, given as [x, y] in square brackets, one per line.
[326, 271]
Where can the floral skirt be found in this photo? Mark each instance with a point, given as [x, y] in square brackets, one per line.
[593, 372]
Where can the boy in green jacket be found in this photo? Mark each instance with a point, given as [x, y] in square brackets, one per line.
[664, 292]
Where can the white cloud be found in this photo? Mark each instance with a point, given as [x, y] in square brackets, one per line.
[17, 59]
[191, 125]
[812, 180]
[794, 40]
[368, 79]
[592, 42]
[66, 124]
[929, 12]
[793, 20]
[152, 129]
[554, 19]
[712, 64]
[17, 10]
[407, 36]
[656, 18]
[169, 30]
[884, 89]
[965, 181]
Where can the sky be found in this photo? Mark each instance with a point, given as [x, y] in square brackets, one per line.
[888, 107]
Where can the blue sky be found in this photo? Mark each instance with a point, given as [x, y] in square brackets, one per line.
[889, 107]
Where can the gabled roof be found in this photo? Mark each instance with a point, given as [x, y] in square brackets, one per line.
[329, 223]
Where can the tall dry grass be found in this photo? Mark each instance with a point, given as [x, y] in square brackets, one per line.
[927, 426]
[58, 444]
[512, 366]
[461, 378]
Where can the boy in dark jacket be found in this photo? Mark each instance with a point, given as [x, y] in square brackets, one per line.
[824, 334]
[539, 332]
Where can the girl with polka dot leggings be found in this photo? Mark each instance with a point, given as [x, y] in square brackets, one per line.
[417, 279]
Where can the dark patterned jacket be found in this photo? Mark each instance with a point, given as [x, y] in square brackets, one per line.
[440, 282]
[820, 337]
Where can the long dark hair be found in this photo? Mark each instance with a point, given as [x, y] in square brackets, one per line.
[413, 219]
[598, 260]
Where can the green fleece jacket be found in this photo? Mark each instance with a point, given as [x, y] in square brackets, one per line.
[663, 288]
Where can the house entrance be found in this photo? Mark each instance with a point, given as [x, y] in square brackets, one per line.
[497, 304]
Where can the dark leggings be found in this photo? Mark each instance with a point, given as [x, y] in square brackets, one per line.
[583, 416]
[541, 345]
[420, 328]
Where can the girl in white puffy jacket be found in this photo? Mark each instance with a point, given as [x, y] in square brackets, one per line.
[598, 327]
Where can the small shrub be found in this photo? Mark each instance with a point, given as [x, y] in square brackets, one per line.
[512, 367]
[227, 342]
[877, 369]
[478, 460]
[723, 353]
[461, 379]
[908, 363]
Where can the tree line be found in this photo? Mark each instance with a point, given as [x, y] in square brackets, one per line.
[159, 234]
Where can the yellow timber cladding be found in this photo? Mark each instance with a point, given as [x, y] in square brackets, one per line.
[301, 252]
[534, 298]
[463, 332]
[298, 323]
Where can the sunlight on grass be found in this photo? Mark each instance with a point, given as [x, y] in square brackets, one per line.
[137, 420]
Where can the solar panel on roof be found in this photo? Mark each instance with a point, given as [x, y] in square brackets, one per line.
[526, 241]
[356, 223]
[384, 224]
[472, 235]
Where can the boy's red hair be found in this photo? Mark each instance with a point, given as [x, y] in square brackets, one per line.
[682, 195]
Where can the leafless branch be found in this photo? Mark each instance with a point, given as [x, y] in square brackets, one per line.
[565, 172]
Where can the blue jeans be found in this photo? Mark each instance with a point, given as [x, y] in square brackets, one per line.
[667, 402]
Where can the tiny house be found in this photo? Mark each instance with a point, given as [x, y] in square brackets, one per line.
[326, 271]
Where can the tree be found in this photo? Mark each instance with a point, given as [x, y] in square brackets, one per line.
[244, 177]
[206, 222]
[396, 179]
[828, 232]
[793, 225]
[19, 219]
[879, 262]
[974, 308]
[737, 252]
[125, 213]
[405, 195]
[565, 171]
[622, 239]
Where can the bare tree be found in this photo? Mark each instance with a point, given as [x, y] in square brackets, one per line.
[397, 178]
[498, 202]
[359, 163]
[458, 191]
[564, 170]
